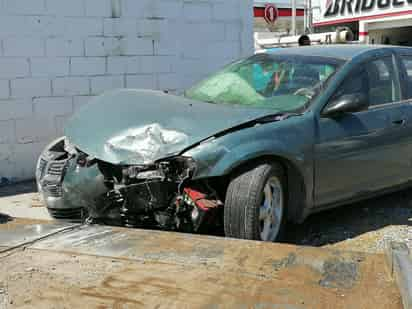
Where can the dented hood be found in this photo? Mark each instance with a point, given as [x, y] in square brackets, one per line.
[140, 126]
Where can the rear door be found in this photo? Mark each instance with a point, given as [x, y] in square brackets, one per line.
[358, 153]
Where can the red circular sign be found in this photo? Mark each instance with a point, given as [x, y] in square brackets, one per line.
[271, 14]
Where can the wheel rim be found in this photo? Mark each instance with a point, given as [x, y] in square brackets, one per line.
[271, 210]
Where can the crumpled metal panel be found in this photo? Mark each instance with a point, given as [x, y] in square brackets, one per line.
[167, 122]
[147, 142]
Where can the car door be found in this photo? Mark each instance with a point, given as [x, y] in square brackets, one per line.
[356, 154]
[405, 138]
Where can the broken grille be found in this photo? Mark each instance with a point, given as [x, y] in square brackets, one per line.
[56, 168]
[53, 189]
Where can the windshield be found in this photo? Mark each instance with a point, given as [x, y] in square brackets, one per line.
[281, 82]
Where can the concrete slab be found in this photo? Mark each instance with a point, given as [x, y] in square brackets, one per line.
[108, 267]
[22, 201]
[400, 264]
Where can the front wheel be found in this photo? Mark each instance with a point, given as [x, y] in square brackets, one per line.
[255, 204]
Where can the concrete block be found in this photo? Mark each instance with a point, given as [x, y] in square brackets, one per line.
[52, 106]
[169, 9]
[147, 81]
[35, 26]
[23, 47]
[122, 27]
[168, 47]
[100, 46]
[60, 123]
[133, 8]
[83, 26]
[64, 47]
[24, 7]
[224, 50]
[125, 64]
[87, 66]
[206, 32]
[13, 25]
[13, 109]
[226, 11]
[13, 67]
[29, 130]
[197, 11]
[8, 133]
[232, 32]
[168, 81]
[157, 64]
[79, 101]
[99, 8]
[4, 89]
[49, 66]
[7, 162]
[25, 156]
[154, 29]
[100, 84]
[136, 46]
[68, 86]
[65, 8]
[30, 87]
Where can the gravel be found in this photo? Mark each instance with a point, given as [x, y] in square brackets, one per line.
[365, 226]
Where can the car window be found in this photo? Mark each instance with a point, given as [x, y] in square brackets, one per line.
[280, 82]
[356, 83]
[383, 81]
[407, 62]
[377, 80]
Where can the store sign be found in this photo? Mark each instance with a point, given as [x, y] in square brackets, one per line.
[348, 10]
[271, 14]
[349, 7]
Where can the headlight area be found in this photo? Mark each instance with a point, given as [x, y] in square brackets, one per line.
[51, 169]
[160, 195]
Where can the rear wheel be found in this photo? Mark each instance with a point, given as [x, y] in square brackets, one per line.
[255, 204]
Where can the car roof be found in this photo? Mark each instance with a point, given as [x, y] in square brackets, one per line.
[341, 51]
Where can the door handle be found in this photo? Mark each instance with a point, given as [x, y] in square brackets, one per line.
[399, 122]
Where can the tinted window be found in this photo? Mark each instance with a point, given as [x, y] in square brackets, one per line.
[407, 62]
[356, 83]
[377, 80]
[383, 81]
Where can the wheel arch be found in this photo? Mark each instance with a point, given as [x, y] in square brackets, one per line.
[295, 188]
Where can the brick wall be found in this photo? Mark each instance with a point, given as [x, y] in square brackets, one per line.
[56, 54]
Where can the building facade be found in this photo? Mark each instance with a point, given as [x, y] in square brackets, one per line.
[283, 23]
[56, 54]
[372, 21]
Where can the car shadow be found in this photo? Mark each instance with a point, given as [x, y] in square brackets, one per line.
[350, 221]
[5, 218]
[18, 188]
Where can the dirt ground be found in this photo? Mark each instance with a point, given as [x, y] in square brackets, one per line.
[364, 226]
[89, 269]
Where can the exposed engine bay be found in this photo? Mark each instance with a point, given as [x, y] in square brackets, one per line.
[157, 195]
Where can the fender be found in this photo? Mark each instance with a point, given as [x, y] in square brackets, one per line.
[281, 141]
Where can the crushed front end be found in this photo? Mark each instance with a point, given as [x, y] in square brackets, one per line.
[156, 195]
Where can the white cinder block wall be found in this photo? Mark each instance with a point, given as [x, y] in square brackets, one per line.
[56, 54]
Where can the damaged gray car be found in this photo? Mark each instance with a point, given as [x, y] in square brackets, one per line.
[246, 150]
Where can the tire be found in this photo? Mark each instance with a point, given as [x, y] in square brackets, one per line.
[247, 204]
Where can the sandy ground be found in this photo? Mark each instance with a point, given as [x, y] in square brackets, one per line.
[364, 226]
[176, 270]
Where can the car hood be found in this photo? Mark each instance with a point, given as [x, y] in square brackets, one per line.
[141, 126]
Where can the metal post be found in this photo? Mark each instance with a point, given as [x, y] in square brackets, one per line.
[293, 17]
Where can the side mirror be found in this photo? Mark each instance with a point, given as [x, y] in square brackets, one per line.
[350, 103]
